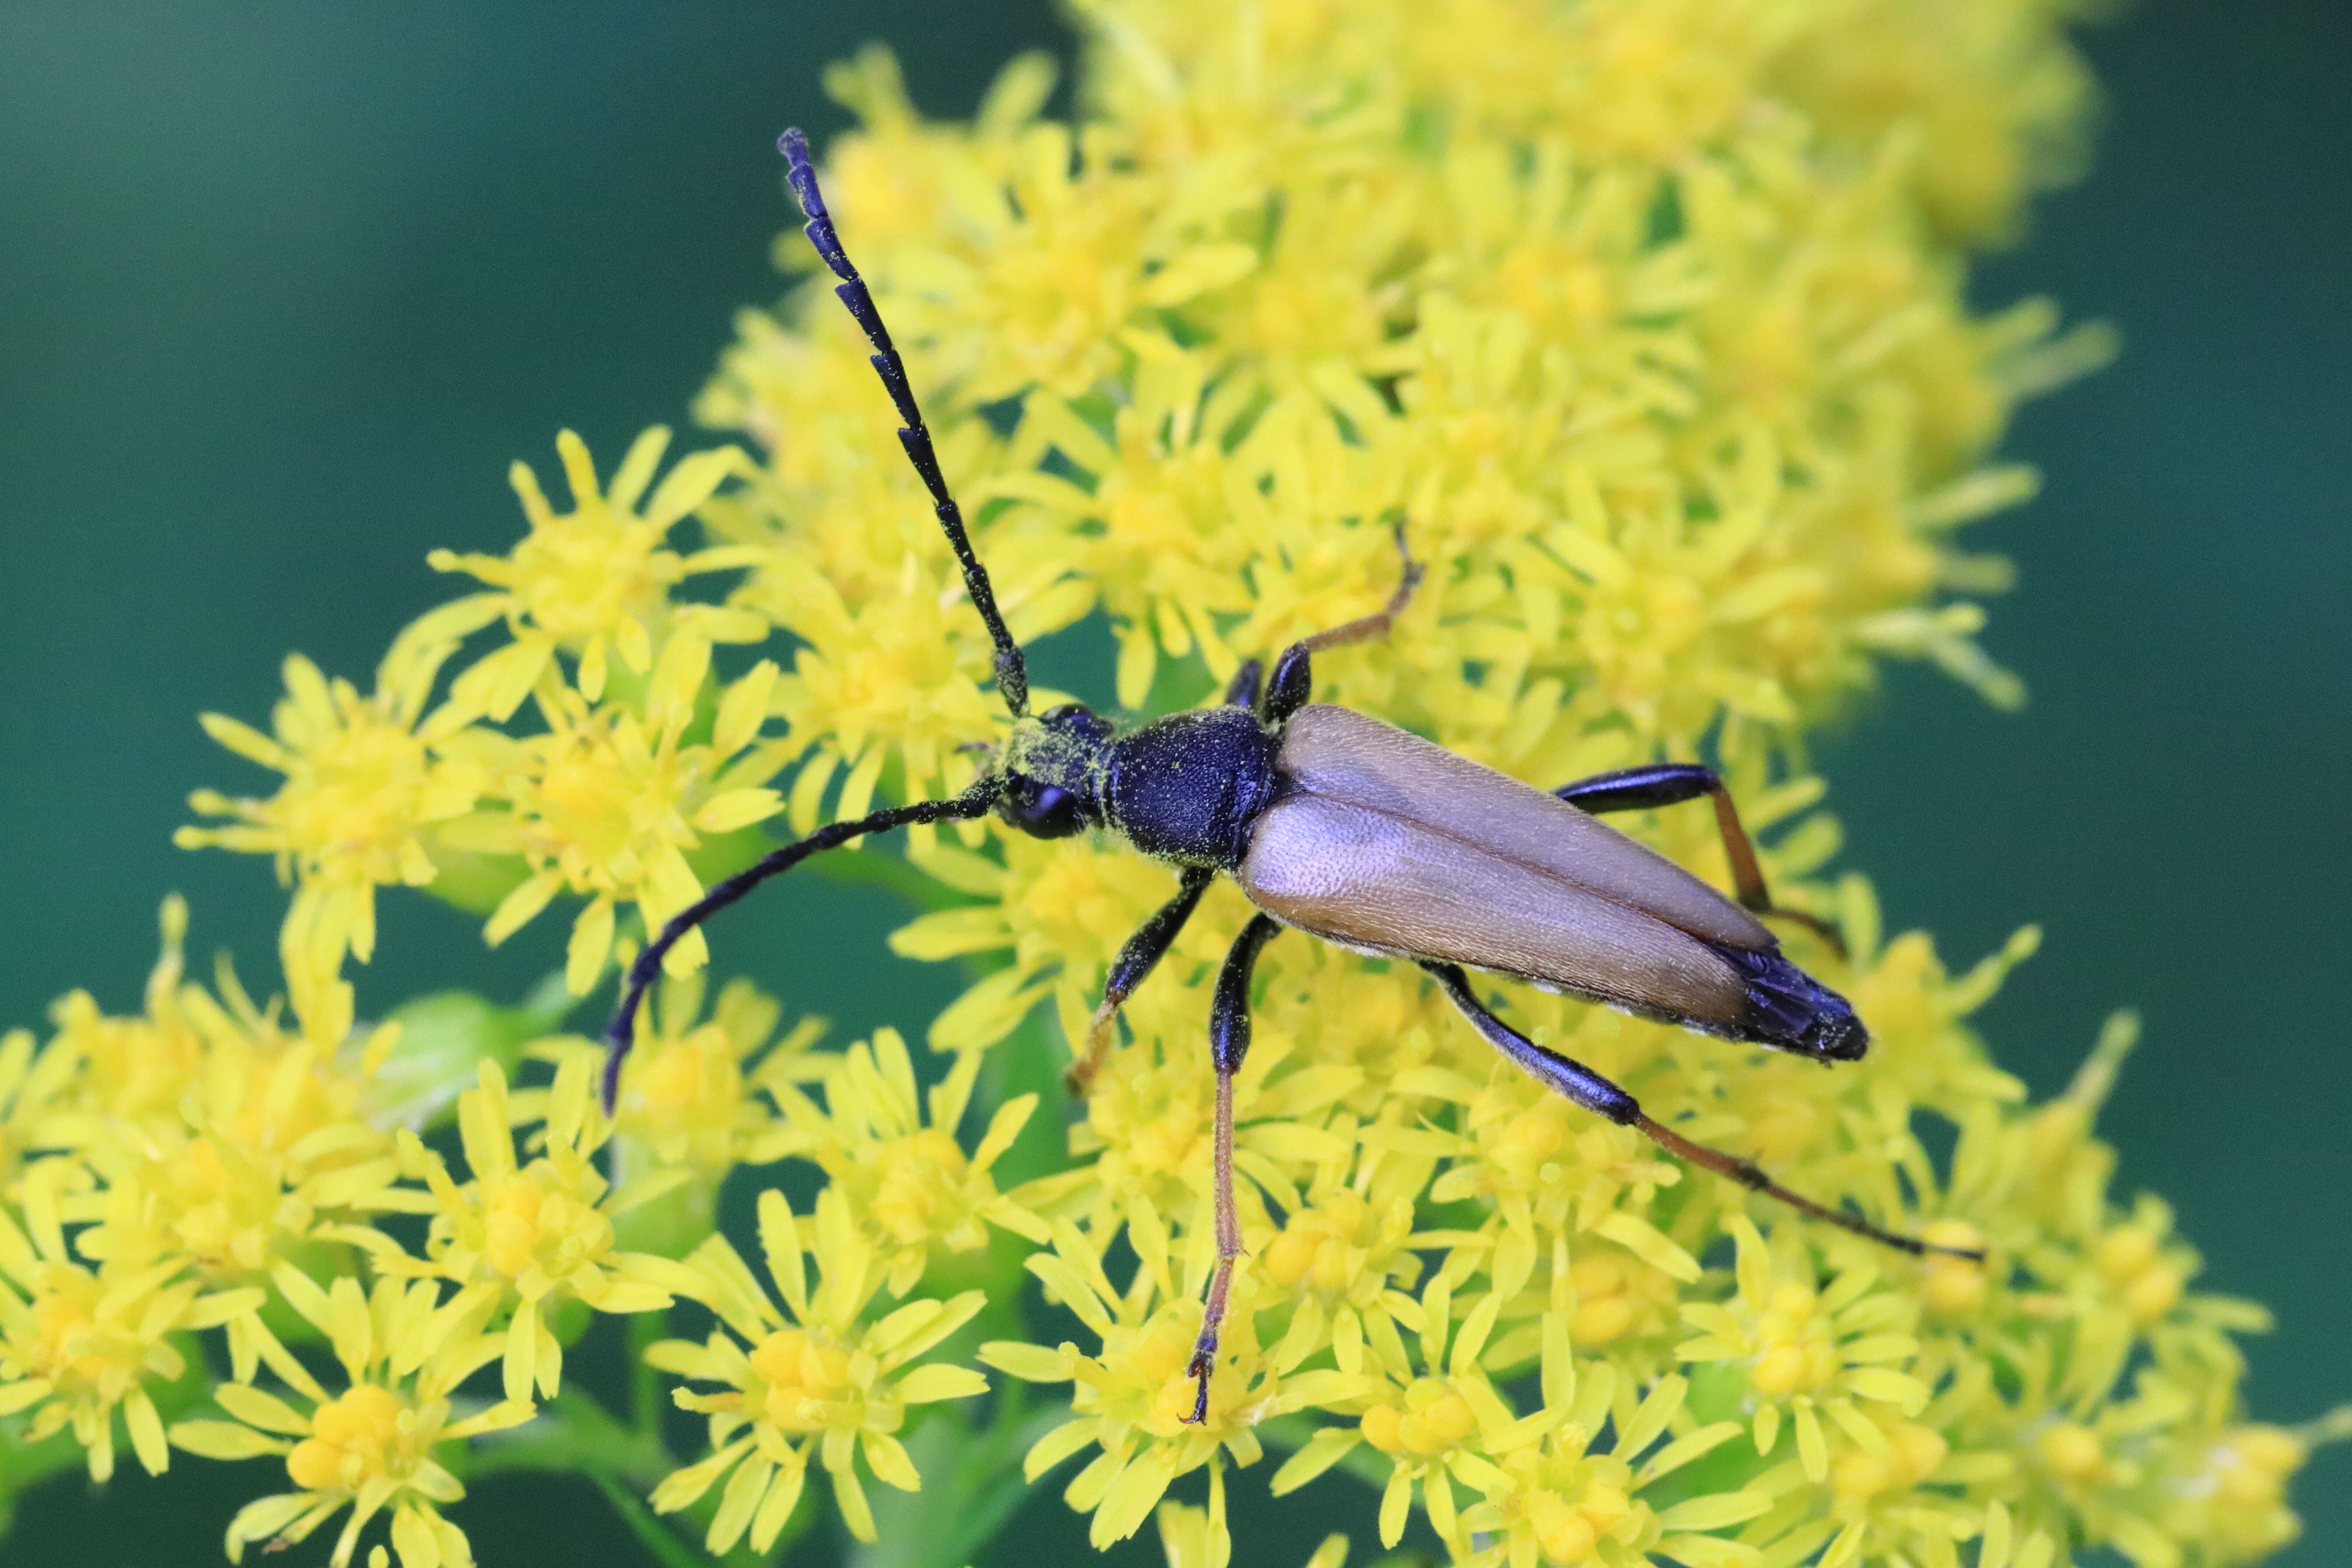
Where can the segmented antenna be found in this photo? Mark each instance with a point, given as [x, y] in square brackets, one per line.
[1011, 670]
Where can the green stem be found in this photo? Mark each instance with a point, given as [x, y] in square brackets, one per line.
[580, 1437]
[648, 1527]
[644, 1381]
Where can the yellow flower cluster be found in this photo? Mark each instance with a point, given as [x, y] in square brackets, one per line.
[1646, 318]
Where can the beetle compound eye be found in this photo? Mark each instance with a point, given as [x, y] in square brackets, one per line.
[1046, 811]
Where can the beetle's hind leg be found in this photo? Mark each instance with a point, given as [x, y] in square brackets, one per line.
[1595, 1093]
[1294, 676]
[1671, 783]
[1229, 1042]
[1141, 954]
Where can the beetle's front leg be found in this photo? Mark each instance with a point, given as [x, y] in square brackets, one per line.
[1242, 690]
[1595, 1093]
[1294, 672]
[1229, 1041]
[1142, 952]
[1671, 783]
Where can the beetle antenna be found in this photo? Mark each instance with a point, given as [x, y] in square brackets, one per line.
[619, 1035]
[1011, 669]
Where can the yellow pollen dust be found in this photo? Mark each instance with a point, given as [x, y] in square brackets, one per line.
[2129, 1257]
[369, 1433]
[1433, 1419]
[803, 1376]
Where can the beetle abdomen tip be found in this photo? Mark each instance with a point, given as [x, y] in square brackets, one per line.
[1790, 1010]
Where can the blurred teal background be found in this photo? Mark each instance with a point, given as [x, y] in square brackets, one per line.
[284, 288]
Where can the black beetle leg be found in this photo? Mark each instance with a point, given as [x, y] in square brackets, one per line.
[1294, 677]
[1595, 1093]
[1242, 690]
[1143, 951]
[1229, 1040]
[1671, 783]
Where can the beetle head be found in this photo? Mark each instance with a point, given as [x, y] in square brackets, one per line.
[1051, 767]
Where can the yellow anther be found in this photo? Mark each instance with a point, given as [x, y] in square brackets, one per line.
[1563, 1531]
[1954, 1285]
[2126, 1252]
[921, 1178]
[353, 1440]
[1782, 1370]
[2152, 1292]
[2074, 1453]
[802, 1374]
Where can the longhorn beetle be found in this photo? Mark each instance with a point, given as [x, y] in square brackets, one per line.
[1357, 832]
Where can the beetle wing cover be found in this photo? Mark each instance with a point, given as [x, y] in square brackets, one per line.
[1387, 842]
[1342, 755]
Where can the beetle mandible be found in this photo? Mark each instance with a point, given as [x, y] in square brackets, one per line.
[1353, 830]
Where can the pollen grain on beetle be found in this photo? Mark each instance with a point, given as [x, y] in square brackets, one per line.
[1644, 320]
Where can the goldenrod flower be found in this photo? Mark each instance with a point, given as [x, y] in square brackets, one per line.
[364, 783]
[1133, 1400]
[76, 1346]
[1645, 321]
[607, 800]
[1809, 1354]
[593, 582]
[1555, 1498]
[908, 1183]
[813, 1379]
[526, 1237]
[372, 1447]
[695, 1090]
[199, 1142]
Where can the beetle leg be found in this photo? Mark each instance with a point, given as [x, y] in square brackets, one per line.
[1242, 690]
[1595, 1093]
[1671, 783]
[1144, 950]
[1229, 1040]
[1294, 678]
